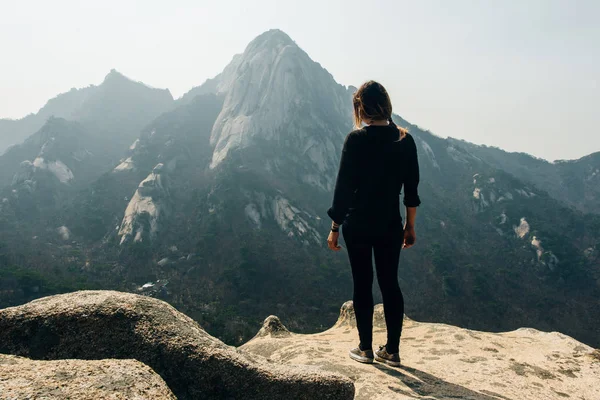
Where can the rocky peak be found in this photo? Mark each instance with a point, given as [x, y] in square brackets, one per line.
[276, 95]
[118, 83]
[272, 326]
[273, 38]
[115, 76]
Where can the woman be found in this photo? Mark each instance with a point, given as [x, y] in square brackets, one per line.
[377, 161]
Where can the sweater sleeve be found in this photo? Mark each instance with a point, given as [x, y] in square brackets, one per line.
[411, 176]
[346, 182]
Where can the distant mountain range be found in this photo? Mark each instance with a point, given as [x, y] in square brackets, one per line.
[118, 104]
[574, 182]
[216, 203]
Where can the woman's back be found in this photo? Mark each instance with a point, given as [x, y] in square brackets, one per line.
[378, 161]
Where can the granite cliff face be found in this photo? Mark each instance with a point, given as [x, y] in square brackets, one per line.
[275, 100]
[116, 329]
[145, 207]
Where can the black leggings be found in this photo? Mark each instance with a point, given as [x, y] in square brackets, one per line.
[385, 245]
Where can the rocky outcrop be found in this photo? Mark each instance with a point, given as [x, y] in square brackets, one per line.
[293, 221]
[95, 325]
[99, 335]
[22, 378]
[272, 327]
[145, 208]
[445, 362]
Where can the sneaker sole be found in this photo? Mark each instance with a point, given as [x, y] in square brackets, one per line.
[360, 359]
[388, 362]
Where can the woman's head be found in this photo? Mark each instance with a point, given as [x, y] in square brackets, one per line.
[371, 103]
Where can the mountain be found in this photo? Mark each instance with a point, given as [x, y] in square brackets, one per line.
[574, 182]
[99, 124]
[219, 207]
[276, 97]
[119, 107]
[65, 148]
[50, 166]
[64, 105]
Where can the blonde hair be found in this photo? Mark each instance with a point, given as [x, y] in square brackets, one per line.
[372, 102]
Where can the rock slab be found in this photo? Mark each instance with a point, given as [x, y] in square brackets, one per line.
[95, 325]
[445, 362]
[22, 378]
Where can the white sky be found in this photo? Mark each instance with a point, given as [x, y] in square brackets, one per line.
[523, 75]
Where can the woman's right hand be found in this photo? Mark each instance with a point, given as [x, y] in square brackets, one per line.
[332, 241]
[410, 237]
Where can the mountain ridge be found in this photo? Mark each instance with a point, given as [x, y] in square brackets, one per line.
[575, 182]
[74, 105]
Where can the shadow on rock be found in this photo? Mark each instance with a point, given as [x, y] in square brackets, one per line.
[425, 384]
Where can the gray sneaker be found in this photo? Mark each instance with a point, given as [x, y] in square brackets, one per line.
[383, 356]
[362, 356]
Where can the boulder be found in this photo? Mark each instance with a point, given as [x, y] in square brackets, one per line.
[95, 325]
[22, 378]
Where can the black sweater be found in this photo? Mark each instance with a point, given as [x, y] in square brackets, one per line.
[374, 167]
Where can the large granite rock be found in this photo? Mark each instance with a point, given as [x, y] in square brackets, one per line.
[444, 362]
[92, 325]
[22, 378]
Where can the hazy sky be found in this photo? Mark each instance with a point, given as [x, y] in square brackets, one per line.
[523, 75]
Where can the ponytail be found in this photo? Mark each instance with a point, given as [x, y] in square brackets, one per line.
[401, 131]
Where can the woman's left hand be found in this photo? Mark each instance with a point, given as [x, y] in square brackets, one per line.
[332, 241]
[410, 237]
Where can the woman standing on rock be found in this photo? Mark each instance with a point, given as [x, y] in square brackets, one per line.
[377, 161]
